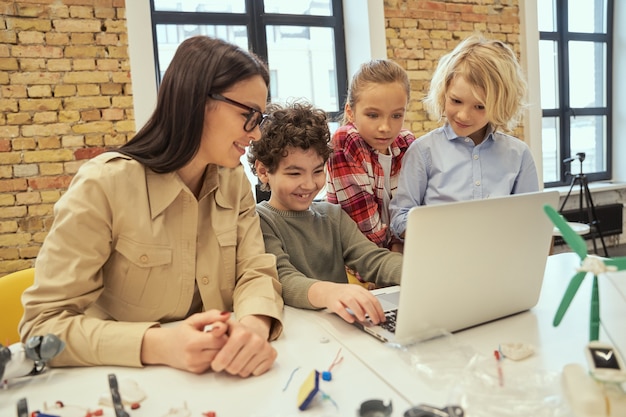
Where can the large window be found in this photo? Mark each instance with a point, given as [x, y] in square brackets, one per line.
[575, 59]
[301, 40]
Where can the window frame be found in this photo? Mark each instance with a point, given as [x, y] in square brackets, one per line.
[256, 21]
[563, 112]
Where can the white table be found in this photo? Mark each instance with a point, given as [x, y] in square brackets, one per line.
[555, 346]
[369, 369]
[303, 345]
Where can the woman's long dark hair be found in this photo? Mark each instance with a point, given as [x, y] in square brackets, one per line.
[201, 65]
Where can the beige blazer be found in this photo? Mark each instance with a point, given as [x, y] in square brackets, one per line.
[129, 248]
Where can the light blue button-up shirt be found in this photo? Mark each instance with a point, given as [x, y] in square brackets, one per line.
[441, 167]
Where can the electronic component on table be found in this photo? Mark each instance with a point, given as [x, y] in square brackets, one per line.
[424, 410]
[605, 362]
[115, 396]
[375, 408]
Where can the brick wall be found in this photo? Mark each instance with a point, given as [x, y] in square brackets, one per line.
[65, 92]
[419, 32]
[65, 96]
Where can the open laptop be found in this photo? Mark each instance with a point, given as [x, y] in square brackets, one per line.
[467, 263]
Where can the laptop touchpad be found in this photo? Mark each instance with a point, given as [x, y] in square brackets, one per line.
[389, 301]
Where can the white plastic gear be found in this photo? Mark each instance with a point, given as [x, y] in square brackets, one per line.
[595, 265]
[516, 351]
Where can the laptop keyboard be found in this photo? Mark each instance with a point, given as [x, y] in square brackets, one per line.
[390, 322]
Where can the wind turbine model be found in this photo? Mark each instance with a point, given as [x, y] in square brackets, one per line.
[589, 263]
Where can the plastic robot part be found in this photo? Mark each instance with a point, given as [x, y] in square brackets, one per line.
[516, 351]
[375, 408]
[30, 358]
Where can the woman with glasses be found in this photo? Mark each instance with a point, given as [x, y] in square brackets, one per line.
[165, 230]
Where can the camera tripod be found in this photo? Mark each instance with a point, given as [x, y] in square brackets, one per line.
[589, 209]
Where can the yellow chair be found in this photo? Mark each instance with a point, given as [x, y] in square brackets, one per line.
[352, 279]
[11, 288]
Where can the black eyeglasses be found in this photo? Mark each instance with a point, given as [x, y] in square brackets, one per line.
[254, 117]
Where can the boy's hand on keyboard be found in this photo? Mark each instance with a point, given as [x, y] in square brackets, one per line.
[348, 301]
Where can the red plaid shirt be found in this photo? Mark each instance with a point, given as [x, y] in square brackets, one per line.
[356, 180]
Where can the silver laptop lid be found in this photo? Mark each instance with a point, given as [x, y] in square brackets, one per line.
[466, 263]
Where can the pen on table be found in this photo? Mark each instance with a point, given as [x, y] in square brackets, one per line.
[496, 353]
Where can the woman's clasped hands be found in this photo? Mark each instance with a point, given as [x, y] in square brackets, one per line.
[212, 340]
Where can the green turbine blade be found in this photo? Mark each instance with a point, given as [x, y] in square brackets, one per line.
[570, 292]
[574, 241]
[620, 263]
[594, 316]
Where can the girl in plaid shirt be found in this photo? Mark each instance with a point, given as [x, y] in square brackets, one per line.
[367, 153]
